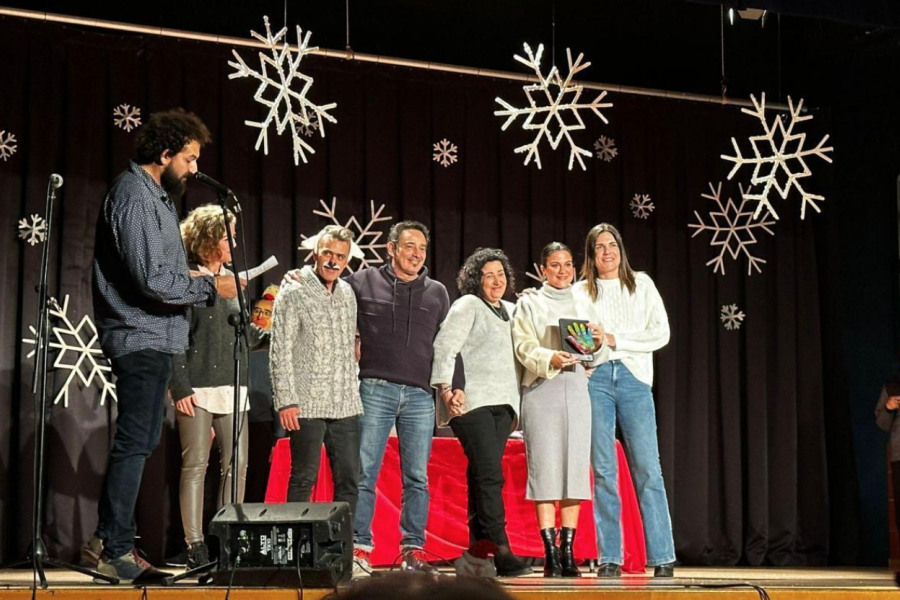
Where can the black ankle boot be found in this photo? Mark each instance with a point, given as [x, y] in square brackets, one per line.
[566, 555]
[508, 564]
[552, 567]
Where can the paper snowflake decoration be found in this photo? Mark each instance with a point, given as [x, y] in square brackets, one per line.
[311, 128]
[80, 353]
[290, 108]
[444, 152]
[606, 148]
[554, 115]
[778, 158]
[732, 228]
[537, 275]
[731, 317]
[127, 117]
[7, 144]
[365, 247]
[641, 206]
[34, 232]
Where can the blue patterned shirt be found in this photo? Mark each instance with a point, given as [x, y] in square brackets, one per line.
[142, 286]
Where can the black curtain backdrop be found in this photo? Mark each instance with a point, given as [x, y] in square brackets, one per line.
[741, 414]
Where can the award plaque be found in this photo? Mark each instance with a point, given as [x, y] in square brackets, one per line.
[577, 339]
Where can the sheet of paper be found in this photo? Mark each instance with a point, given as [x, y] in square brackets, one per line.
[257, 271]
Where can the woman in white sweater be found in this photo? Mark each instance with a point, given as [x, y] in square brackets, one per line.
[635, 324]
[478, 329]
[556, 409]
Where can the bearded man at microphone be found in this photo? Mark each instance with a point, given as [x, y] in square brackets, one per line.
[143, 291]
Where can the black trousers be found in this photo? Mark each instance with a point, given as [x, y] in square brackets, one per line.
[483, 433]
[341, 439]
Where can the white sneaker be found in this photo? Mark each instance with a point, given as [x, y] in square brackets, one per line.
[362, 563]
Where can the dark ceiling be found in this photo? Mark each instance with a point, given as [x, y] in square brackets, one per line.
[662, 44]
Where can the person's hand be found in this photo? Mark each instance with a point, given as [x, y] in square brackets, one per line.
[561, 360]
[610, 340]
[893, 403]
[292, 275]
[289, 418]
[597, 333]
[186, 405]
[226, 288]
[455, 401]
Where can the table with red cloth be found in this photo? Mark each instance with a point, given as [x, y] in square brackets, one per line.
[447, 534]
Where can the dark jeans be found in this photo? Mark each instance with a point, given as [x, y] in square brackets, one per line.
[483, 433]
[341, 439]
[141, 381]
[262, 439]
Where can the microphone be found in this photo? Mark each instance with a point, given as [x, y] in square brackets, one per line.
[56, 181]
[208, 181]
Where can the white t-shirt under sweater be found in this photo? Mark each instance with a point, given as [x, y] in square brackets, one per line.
[638, 321]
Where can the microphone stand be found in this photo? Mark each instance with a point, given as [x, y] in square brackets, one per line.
[241, 325]
[37, 552]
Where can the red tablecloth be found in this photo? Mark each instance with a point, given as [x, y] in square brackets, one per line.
[446, 534]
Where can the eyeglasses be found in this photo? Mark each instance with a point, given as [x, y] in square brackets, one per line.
[261, 312]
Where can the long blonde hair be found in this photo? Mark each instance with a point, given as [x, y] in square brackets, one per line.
[201, 231]
[589, 267]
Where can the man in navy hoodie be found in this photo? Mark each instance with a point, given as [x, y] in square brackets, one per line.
[399, 312]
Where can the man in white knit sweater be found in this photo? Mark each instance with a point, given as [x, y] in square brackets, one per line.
[313, 368]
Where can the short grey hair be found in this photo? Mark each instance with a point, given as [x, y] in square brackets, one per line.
[335, 232]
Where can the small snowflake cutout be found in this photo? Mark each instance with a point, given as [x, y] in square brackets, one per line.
[310, 129]
[7, 144]
[445, 152]
[606, 148]
[35, 232]
[127, 117]
[641, 206]
[731, 317]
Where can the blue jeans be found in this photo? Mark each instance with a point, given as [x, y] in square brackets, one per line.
[142, 378]
[616, 395]
[412, 409]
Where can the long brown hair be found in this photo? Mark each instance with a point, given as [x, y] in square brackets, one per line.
[589, 267]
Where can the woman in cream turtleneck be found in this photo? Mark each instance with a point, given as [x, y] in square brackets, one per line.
[556, 409]
[635, 324]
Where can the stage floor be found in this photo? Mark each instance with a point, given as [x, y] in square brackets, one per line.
[784, 584]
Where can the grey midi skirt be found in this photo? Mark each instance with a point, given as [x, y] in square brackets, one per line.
[556, 423]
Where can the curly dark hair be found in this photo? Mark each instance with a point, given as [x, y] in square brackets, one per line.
[171, 130]
[468, 281]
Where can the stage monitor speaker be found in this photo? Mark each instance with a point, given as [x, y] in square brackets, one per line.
[284, 545]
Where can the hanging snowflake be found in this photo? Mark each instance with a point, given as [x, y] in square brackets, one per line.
[310, 128]
[537, 275]
[554, 107]
[732, 228]
[127, 117]
[81, 343]
[731, 317]
[7, 144]
[34, 232]
[290, 107]
[365, 246]
[606, 148]
[779, 152]
[641, 206]
[445, 152]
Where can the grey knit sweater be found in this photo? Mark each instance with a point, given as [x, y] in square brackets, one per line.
[312, 360]
[484, 341]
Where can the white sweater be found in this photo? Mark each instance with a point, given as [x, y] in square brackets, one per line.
[638, 321]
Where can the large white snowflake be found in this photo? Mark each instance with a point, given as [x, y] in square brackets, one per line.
[127, 117]
[732, 228]
[34, 232]
[444, 152]
[80, 353]
[7, 144]
[641, 206]
[606, 148]
[547, 111]
[778, 158]
[731, 317]
[365, 247]
[290, 108]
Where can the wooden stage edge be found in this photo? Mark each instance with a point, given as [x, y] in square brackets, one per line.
[692, 583]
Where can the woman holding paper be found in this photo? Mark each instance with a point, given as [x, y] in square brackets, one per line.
[202, 384]
[636, 325]
[556, 408]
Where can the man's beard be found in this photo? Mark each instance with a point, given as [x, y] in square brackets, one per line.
[174, 185]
